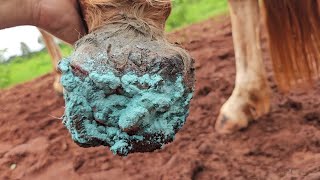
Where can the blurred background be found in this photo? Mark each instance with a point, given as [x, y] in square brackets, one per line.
[23, 56]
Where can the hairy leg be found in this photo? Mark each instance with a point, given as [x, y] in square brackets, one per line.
[251, 97]
[151, 13]
[56, 56]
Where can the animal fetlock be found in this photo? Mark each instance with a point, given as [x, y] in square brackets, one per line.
[144, 15]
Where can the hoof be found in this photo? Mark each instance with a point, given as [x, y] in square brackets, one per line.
[126, 91]
[225, 125]
[241, 108]
[58, 87]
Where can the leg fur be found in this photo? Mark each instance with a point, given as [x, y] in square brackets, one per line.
[148, 14]
[56, 56]
[250, 98]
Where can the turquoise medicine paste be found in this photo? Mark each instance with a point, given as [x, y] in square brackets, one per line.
[128, 112]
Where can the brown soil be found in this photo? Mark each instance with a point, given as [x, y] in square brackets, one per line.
[282, 145]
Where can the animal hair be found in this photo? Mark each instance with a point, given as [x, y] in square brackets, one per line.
[294, 38]
[146, 16]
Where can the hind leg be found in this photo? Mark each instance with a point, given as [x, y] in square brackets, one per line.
[56, 56]
[250, 99]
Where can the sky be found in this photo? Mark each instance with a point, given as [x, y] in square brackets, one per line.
[11, 38]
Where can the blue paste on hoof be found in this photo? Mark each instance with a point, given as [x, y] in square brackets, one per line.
[125, 91]
[148, 110]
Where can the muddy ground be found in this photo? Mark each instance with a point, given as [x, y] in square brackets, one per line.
[282, 145]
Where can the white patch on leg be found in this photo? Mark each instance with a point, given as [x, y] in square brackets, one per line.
[251, 97]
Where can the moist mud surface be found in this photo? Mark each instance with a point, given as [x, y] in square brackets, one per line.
[285, 144]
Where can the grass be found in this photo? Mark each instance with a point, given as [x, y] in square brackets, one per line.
[25, 68]
[185, 12]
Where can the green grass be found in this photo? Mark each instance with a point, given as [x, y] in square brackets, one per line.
[25, 68]
[185, 12]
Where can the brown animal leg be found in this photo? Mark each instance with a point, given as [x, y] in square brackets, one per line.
[251, 97]
[152, 13]
[56, 56]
